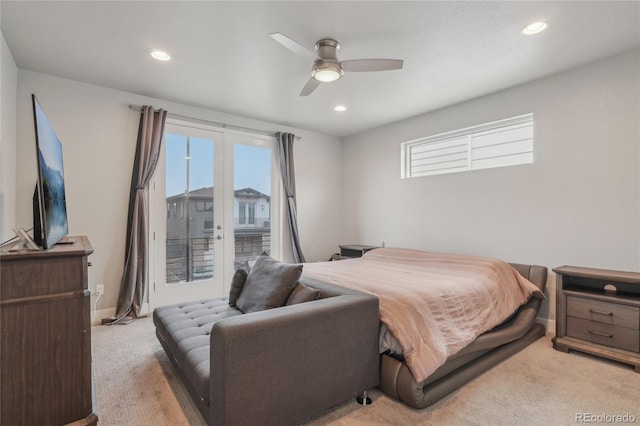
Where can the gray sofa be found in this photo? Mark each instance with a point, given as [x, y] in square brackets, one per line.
[277, 366]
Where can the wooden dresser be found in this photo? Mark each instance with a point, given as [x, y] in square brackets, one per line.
[598, 312]
[45, 336]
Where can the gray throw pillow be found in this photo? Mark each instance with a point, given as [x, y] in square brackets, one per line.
[302, 293]
[268, 285]
[238, 280]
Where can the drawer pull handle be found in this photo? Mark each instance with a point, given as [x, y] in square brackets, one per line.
[595, 311]
[599, 333]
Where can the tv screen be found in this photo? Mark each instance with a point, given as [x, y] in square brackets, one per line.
[50, 214]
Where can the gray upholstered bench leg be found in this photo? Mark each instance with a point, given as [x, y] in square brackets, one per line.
[364, 399]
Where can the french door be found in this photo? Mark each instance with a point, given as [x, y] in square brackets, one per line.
[214, 200]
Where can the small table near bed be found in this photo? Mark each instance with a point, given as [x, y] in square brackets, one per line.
[349, 251]
[598, 312]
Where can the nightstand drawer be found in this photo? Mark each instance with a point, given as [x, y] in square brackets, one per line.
[604, 312]
[604, 334]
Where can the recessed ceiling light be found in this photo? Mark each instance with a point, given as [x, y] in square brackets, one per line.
[160, 55]
[534, 28]
[340, 108]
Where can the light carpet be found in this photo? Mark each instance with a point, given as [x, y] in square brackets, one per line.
[136, 385]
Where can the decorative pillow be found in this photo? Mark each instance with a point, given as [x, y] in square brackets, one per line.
[268, 285]
[302, 293]
[238, 280]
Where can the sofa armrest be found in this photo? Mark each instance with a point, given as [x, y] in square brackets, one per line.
[286, 364]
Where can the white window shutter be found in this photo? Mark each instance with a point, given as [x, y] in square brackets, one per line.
[497, 144]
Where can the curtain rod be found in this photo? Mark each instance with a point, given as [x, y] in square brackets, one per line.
[213, 123]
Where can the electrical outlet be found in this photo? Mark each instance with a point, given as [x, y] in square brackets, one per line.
[99, 289]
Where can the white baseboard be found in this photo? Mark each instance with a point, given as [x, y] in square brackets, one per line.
[96, 316]
[145, 310]
[549, 325]
[110, 312]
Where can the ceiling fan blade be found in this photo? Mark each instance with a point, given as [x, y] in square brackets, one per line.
[293, 45]
[364, 65]
[311, 85]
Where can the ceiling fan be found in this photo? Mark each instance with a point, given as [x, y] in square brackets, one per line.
[327, 67]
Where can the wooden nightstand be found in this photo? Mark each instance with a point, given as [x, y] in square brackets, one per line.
[349, 251]
[598, 312]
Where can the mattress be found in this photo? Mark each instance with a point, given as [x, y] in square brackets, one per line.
[431, 304]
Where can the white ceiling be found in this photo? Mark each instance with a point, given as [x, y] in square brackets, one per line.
[224, 59]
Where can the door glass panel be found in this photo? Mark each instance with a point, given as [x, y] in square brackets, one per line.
[189, 199]
[214, 197]
[252, 201]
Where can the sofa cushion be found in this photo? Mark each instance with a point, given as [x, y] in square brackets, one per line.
[302, 293]
[238, 280]
[268, 285]
[184, 330]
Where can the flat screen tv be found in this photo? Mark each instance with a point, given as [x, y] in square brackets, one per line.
[49, 204]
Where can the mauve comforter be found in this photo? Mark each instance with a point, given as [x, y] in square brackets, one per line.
[433, 304]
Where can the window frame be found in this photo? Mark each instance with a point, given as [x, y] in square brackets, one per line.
[450, 145]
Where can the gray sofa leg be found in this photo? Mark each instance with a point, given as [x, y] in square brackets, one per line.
[364, 399]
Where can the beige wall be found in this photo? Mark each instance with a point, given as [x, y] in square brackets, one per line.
[8, 87]
[98, 133]
[578, 204]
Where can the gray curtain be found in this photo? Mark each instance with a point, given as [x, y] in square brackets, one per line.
[134, 278]
[285, 154]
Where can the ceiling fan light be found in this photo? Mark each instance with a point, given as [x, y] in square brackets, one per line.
[326, 71]
[326, 76]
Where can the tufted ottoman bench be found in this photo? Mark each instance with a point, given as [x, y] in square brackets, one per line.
[277, 366]
[184, 331]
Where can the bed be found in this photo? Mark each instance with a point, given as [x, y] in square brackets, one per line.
[444, 318]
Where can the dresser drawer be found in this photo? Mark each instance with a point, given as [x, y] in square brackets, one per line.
[604, 334]
[604, 312]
